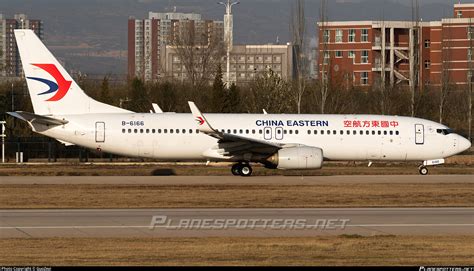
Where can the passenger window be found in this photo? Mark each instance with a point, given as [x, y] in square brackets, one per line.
[279, 131]
[380, 132]
[329, 132]
[322, 132]
[367, 132]
[285, 132]
[235, 131]
[291, 132]
[241, 131]
[297, 132]
[361, 132]
[397, 133]
[391, 132]
[190, 131]
[385, 132]
[165, 131]
[171, 131]
[267, 132]
[147, 131]
[354, 132]
[184, 131]
[315, 132]
[341, 132]
[141, 131]
[373, 132]
[334, 132]
[260, 132]
[123, 131]
[309, 132]
[129, 131]
[253, 131]
[135, 131]
[348, 132]
[197, 131]
[153, 131]
[247, 131]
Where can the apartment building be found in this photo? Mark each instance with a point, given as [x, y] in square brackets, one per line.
[408, 53]
[10, 63]
[148, 38]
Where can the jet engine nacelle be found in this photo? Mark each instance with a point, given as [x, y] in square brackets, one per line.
[298, 158]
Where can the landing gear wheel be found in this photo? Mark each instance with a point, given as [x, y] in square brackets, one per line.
[236, 169]
[423, 171]
[245, 170]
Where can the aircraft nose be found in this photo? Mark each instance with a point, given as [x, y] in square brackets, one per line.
[464, 144]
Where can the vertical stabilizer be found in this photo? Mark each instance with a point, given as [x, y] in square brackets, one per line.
[52, 89]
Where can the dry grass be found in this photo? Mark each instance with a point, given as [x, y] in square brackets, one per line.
[340, 250]
[153, 169]
[238, 196]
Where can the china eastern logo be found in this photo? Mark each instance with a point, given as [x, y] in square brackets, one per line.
[60, 87]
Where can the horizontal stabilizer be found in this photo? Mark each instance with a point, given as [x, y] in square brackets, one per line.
[37, 119]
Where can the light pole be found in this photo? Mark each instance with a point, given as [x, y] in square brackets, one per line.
[3, 135]
[228, 34]
[13, 101]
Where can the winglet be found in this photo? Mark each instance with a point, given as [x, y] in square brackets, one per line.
[157, 108]
[203, 125]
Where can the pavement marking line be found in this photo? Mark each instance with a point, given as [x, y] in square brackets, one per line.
[254, 227]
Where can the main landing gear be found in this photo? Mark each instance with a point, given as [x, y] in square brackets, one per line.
[242, 169]
[423, 170]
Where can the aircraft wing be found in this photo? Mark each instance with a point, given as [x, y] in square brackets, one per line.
[229, 144]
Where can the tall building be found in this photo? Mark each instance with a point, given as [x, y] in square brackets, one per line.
[148, 38]
[10, 63]
[399, 52]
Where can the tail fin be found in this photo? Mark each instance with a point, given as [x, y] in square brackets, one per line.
[52, 89]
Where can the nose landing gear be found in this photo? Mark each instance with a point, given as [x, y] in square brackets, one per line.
[242, 169]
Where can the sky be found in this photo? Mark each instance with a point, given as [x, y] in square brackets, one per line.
[91, 35]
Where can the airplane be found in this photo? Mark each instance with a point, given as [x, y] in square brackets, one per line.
[278, 141]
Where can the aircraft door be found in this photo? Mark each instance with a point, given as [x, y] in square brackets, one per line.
[279, 133]
[267, 133]
[419, 134]
[100, 132]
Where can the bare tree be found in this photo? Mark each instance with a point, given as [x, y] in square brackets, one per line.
[199, 52]
[326, 63]
[445, 74]
[416, 54]
[298, 30]
[469, 80]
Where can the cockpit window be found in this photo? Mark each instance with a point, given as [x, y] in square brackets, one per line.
[444, 131]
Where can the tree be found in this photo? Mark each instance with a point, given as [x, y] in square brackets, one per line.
[218, 92]
[138, 96]
[232, 100]
[104, 91]
[269, 92]
[323, 89]
[200, 53]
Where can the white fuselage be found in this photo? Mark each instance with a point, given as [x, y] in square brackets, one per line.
[174, 137]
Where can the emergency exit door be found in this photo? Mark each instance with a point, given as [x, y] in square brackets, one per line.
[419, 134]
[100, 132]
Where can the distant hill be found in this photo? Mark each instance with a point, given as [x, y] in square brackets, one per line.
[100, 26]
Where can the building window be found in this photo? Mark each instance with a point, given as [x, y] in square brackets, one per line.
[352, 35]
[364, 78]
[365, 35]
[459, 14]
[364, 58]
[327, 55]
[339, 35]
[427, 43]
[469, 32]
[352, 55]
[427, 64]
[326, 36]
[338, 54]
